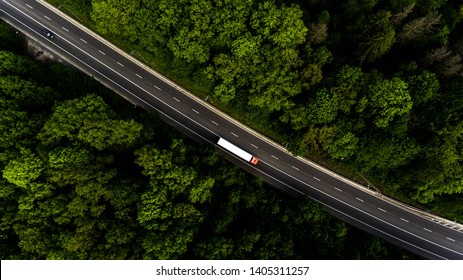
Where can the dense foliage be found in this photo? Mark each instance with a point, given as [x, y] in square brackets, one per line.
[86, 176]
[375, 84]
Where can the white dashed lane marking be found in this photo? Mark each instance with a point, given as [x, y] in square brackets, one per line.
[427, 229]
[274, 157]
[176, 99]
[234, 134]
[195, 111]
[380, 209]
[338, 189]
[214, 123]
[47, 17]
[295, 167]
[254, 146]
[158, 87]
[83, 40]
[404, 220]
[120, 64]
[102, 52]
[359, 199]
[29, 6]
[65, 29]
[451, 239]
[316, 178]
[139, 76]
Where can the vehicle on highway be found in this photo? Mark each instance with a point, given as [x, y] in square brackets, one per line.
[237, 151]
[48, 33]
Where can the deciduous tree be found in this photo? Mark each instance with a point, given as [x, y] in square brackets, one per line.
[111, 16]
[387, 100]
[24, 169]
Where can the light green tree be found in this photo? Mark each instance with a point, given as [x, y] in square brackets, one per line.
[324, 107]
[24, 169]
[283, 26]
[111, 16]
[388, 100]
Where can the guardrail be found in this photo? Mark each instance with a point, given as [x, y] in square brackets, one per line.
[432, 217]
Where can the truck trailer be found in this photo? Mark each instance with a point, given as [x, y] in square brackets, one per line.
[237, 151]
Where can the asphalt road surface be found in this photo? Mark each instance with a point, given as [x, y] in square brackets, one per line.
[422, 234]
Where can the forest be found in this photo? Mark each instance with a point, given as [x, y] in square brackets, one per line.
[85, 175]
[372, 86]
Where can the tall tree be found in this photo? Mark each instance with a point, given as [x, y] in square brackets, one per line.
[446, 63]
[89, 120]
[349, 82]
[377, 38]
[387, 100]
[23, 170]
[111, 16]
[318, 32]
[324, 107]
[418, 28]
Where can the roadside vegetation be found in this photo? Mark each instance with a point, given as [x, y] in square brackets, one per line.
[84, 175]
[371, 88]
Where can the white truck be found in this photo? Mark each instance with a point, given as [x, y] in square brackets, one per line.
[237, 151]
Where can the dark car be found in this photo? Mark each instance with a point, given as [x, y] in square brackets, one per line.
[48, 33]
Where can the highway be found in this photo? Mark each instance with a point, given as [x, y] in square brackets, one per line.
[428, 236]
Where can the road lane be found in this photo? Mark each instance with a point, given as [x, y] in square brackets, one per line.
[366, 210]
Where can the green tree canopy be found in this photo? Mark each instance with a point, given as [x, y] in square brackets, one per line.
[377, 38]
[24, 169]
[388, 100]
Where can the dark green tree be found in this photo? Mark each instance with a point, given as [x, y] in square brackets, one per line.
[377, 38]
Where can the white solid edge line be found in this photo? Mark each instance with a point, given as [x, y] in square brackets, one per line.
[109, 79]
[172, 84]
[377, 218]
[413, 245]
[368, 225]
[419, 237]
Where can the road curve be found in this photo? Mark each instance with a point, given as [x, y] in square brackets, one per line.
[422, 234]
